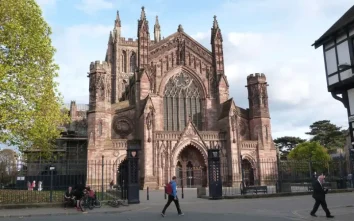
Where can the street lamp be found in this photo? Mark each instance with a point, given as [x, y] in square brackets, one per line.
[338, 51]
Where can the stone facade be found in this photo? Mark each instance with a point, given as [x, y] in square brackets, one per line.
[173, 95]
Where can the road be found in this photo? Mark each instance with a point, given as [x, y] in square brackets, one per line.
[264, 209]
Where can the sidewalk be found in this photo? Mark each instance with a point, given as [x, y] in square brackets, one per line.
[32, 212]
[341, 213]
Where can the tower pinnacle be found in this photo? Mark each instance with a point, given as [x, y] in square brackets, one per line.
[215, 23]
[157, 30]
[142, 15]
[117, 21]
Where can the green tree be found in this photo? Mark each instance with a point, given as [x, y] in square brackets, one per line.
[30, 103]
[327, 134]
[311, 152]
[286, 144]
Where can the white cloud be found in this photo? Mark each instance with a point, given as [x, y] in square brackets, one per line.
[92, 6]
[294, 70]
[75, 50]
[200, 36]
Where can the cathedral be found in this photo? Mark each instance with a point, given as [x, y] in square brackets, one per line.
[172, 94]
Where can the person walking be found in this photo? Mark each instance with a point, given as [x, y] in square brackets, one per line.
[171, 190]
[319, 194]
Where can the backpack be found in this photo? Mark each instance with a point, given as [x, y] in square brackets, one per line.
[168, 189]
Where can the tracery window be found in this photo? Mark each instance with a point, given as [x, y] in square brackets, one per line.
[133, 62]
[182, 98]
[124, 61]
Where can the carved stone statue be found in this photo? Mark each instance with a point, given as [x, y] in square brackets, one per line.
[149, 120]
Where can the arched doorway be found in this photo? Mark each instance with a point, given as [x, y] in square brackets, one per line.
[191, 170]
[248, 172]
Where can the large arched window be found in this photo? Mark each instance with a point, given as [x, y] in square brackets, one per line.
[133, 62]
[182, 98]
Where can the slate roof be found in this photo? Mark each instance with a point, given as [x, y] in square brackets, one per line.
[225, 109]
[345, 20]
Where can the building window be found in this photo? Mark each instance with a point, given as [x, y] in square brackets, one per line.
[133, 62]
[124, 61]
[182, 99]
[100, 128]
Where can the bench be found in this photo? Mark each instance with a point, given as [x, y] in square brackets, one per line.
[326, 185]
[255, 189]
[303, 186]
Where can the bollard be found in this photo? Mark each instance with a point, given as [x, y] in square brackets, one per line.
[182, 192]
[164, 193]
[147, 193]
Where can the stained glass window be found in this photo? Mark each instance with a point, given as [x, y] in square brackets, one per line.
[182, 98]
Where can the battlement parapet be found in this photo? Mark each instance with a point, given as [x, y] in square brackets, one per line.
[129, 41]
[256, 78]
[99, 66]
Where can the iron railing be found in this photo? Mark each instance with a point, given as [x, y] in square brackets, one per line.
[109, 178]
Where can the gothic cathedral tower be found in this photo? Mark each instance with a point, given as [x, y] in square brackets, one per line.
[99, 115]
[259, 112]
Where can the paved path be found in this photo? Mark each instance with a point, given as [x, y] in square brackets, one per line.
[266, 209]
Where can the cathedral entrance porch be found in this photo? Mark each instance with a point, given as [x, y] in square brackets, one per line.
[248, 172]
[191, 170]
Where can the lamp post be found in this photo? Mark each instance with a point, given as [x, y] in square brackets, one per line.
[338, 52]
[51, 168]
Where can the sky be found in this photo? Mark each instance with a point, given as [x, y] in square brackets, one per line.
[273, 37]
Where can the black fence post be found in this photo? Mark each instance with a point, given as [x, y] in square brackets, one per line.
[310, 166]
[133, 184]
[215, 182]
[279, 184]
[102, 178]
[182, 191]
[51, 183]
[123, 194]
[242, 177]
[147, 193]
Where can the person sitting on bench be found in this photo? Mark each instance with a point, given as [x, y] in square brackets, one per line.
[68, 197]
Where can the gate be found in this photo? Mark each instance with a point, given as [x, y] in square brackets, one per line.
[191, 177]
[122, 178]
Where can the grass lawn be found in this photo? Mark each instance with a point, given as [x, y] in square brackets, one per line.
[26, 196]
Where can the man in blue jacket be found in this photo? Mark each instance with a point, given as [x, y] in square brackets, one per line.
[172, 197]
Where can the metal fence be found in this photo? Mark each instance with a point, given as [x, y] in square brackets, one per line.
[35, 182]
[282, 176]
